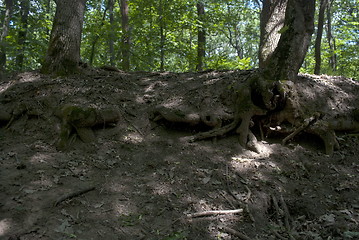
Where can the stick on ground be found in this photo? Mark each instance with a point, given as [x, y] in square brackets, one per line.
[214, 212]
[73, 194]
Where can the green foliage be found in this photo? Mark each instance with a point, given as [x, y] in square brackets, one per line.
[38, 30]
[231, 26]
[345, 30]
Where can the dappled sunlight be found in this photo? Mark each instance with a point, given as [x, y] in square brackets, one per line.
[117, 187]
[29, 77]
[5, 225]
[41, 158]
[5, 86]
[124, 208]
[25, 77]
[152, 87]
[173, 102]
[145, 179]
[162, 189]
[132, 138]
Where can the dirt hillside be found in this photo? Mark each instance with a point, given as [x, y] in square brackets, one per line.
[136, 179]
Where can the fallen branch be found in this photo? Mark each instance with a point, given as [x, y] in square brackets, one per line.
[301, 127]
[217, 132]
[214, 212]
[73, 194]
[236, 233]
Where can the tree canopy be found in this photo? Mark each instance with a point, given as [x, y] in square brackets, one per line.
[163, 35]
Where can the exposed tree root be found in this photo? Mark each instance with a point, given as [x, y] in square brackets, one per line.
[245, 111]
[81, 120]
[289, 107]
[301, 127]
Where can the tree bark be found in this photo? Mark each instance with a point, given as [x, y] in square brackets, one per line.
[271, 22]
[4, 33]
[126, 43]
[111, 40]
[24, 13]
[293, 44]
[318, 40]
[162, 36]
[331, 39]
[63, 54]
[201, 48]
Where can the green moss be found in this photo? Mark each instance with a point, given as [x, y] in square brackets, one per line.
[78, 116]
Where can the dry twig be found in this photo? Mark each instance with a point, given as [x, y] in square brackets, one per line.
[214, 212]
[73, 194]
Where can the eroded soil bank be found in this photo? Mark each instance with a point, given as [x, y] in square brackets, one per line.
[139, 180]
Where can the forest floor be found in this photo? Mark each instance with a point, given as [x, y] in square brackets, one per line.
[138, 180]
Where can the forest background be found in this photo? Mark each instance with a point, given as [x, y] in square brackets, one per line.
[162, 35]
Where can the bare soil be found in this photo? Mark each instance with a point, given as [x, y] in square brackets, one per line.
[139, 180]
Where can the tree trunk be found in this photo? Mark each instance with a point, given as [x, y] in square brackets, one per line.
[111, 4]
[201, 52]
[63, 54]
[24, 13]
[48, 12]
[97, 37]
[4, 33]
[162, 36]
[125, 36]
[318, 40]
[271, 22]
[284, 63]
[331, 39]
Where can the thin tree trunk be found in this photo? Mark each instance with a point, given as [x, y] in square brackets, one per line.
[287, 58]
[331, 39]
[24, 13]
[162, 37]
[126, 43]
[112, 33]
[234, 36]
[97, 37]
[271, 22]
[201, 49]
[63, 54]
[318, 40]
[4, 33]
[48, 11]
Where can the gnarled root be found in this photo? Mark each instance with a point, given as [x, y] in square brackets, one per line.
[246, 109]
[81, 120]
[323, 130]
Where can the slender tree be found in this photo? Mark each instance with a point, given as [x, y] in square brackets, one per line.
[22, 34]
[162, 26]
[234, 35]
[330, 38]
[201, 51]
[4, 33]
[97, 36]
[63, 54]
[111, 40]
[125, 48]
[318, 40]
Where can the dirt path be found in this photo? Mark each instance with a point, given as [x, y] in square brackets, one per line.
[139, 181]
